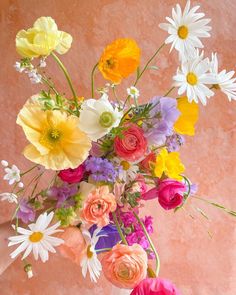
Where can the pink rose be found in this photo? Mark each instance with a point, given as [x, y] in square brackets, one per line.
[133, 145]
[169, 193]
[125, 266]
[155, 286]
[74, 244]
[98, 205]
[72, 175]
[146, 163]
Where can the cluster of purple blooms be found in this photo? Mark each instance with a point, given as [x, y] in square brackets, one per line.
[25, 212]
[62, 194]
[101, 169]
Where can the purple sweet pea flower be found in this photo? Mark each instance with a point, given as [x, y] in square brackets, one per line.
[163, 115]
[62, 193]
[25, 213]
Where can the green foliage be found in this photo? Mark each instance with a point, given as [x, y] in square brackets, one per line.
[65, 215]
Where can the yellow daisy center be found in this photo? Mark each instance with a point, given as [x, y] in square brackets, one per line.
[89, 252]
[35, 237]
[183, 32]
[125, 165]
[192, 79]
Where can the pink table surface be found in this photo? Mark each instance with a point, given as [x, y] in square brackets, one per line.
[196, 263]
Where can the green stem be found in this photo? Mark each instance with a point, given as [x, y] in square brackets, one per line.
[148, 63]
[169, 91]
[119, 228]
[58, 61]
[104, 249]
[45, 80]
[92, 79]
[150, 242]
[29, 170]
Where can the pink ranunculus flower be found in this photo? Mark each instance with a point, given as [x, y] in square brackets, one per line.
[133, 145]
[169, 193]
[74, 244]
[155, 286]
[125, 266]
[98, 205]
[72, 175]
[146, 163]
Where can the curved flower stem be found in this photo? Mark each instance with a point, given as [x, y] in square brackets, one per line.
[169, 91]
[58, 61]
[150, 242]
[23, 173]
[92, 79]
[148, 63]
[45, 80]
[119, 228]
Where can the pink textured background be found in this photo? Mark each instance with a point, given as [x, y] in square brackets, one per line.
[198, 264]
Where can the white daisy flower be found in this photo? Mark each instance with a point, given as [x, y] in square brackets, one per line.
[129, 170]
[12, 174]
[10, 197]
[193, 77]
[98, 117]
[185, 28]
[38, 238]
[224, 81]
[90, 262]
[133, 92]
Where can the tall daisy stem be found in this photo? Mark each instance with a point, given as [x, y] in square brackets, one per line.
[150, 242]
[61, 65]
[92, 79]
[119, 228]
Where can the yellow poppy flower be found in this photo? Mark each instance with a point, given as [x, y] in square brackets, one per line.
[56, 140]
[168, 163]
[119, 59]
[188, 116]
[42, 39]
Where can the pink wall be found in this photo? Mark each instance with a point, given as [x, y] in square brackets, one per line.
[198, 264]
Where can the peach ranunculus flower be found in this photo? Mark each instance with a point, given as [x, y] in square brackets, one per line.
[119, 59]
[56, 142]
[125, 266]
[74, 244]
[97, 206]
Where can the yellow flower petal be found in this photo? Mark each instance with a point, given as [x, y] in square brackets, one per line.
[188, 117]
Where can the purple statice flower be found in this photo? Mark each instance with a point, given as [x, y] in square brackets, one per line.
[62, 194]
[163, 115]
[101, 169]
[174, 142]
[25, 212]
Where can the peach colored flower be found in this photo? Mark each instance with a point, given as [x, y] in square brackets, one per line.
[99, 203]
[74, 244]
[125, 266]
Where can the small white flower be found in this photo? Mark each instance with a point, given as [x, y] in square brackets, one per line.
[98, 117]
[20, 184]
[19, 67]
[133, 92]
[42, 63]
[34, 76]
[12, 174]
[224, 81]
[37, 239]
[129, 170]
[90, 261]
[193, 77]
[186, 28]
[4, 163]
[10, 197]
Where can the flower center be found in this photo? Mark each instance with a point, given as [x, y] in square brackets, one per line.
[183, 32]
[110, 63]
[106, 119]
[192, 79]
[125, 165]
[35, 237]
[216, 86]
[54, 135]
[50, 137]
[89, 252]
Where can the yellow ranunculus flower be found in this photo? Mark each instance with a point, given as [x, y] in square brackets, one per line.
[119, 59]
[56, 140]
[42, 39]
[188, 116]
[168, 163]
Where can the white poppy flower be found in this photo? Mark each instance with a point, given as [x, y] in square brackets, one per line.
[98, 117]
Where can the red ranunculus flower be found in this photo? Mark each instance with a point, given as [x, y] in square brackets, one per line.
[155, 286]
[133, 145]
[72, 175]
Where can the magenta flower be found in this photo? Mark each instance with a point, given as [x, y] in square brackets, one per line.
[72, 175]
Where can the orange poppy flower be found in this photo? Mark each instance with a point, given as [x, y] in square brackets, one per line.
[119, 59]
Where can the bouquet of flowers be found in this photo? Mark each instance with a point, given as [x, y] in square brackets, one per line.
[108, 155]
